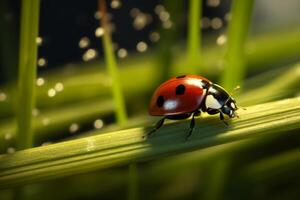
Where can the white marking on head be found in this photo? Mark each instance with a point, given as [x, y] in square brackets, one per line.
[211, 102]
[232, 105]
[170, 104]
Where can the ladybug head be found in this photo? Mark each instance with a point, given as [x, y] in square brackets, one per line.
[219, 100]
[229, 108]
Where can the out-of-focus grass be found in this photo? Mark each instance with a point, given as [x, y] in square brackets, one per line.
[27, 72]
[122, 147]
[234, 62]
[261, 52]
[194, 34]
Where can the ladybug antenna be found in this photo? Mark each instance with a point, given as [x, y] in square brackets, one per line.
[235, 90]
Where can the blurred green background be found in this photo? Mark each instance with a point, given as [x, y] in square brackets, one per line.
[72, 75]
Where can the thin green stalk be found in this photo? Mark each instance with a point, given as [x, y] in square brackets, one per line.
[234, 61]
[126, 146]
[27, 72]
[194, 33]
[112, 67]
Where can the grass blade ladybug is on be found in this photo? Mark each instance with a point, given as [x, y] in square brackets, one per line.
[189, 95]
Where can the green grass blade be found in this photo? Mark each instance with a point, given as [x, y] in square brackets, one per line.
[27, 72]
[234, 61]
[112, 67]
[123, 147]
[194, 33]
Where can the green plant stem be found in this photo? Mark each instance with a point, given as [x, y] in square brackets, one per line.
[133, 182]
[194, 33]
[27, 72]
[234, 61]
[112, 67]
[127, 146]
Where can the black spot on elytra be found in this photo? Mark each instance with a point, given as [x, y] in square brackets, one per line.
[160, 101]
[180, 89]
[182, 76]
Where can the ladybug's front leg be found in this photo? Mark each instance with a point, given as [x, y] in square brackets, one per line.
[223, 119]
[157, 126]
[192, 124]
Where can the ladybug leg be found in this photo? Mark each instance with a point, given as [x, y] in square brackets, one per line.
[192, 124]
[157, 126]
[223, 119]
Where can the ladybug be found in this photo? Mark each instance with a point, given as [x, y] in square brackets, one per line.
[189, 95]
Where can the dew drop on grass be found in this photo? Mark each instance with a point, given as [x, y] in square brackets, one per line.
[97, 15]
[84, 42]
[42, 62]
[73, 127]
[99, 32]
[11, 150]
[216, 23]
[59, 87]
[51, 92]
[45, 121]
[98, 123]
[154, 37]
[39, 41]
[3, 96]
[35, 112]
[221, 40]
[213, 3]
[8, 136]
[90, 54]
[159, 8]
[141, 46]
[40, 81]
[115, 4]
[205, 22]
[122, 53]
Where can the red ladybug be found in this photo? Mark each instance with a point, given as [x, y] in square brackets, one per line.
[183, 96]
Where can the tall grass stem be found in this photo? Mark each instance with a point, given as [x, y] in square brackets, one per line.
[234, 61]
[27, 72]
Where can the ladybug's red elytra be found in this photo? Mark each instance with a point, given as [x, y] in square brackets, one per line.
[183, 96]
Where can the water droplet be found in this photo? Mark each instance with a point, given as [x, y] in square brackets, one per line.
[89, 55]
[216, 23]
[213, 3]
[122, 53]
[73, 127]
[11, 150]
[140, 21]
[98, 123]
[167, 24]
[115, 4]
[164, 16]
[141, 46]
[134, 12]
[8, 136]
[42, 62]
[84, 42]
[3, 96]
[205, 22]
[39, 41]
[158, 9]
[221, 40]
[97, 15]
[99, 32]
[40, 81]
[35, 112]
[59, 87]
[154, 36]
[51, 92]
[45, 121]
